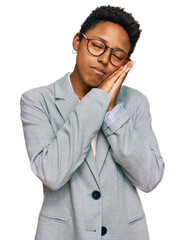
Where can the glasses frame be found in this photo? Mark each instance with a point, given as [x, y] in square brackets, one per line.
[105, 49]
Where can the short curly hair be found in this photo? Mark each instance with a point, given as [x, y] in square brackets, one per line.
[116, 15]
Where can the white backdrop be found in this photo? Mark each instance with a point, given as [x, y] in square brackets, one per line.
[36, 49]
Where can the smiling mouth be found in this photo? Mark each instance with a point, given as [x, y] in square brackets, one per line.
[98, 70]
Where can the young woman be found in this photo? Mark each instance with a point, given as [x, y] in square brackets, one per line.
[90, 141]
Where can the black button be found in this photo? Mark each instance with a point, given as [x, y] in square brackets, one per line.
[96, 195]
[103, 231]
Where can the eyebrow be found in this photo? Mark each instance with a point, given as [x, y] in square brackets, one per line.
[100, 39]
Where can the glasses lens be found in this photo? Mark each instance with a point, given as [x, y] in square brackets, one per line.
[96, 47]
[119, 58]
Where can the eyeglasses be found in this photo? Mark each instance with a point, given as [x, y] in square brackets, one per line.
[97, 47]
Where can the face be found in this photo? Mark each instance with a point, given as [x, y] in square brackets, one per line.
[91, 70]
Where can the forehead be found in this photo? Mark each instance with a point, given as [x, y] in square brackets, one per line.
[114, 35]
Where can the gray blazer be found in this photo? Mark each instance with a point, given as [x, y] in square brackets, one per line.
[87, 197]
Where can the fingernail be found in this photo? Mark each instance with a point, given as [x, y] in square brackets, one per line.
[128, 69]
[123, 67]
[133, 63]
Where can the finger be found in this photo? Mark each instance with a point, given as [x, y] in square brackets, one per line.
[124, 73]
[124, 70]
[117, 73]
[122, 77]
[117, 85]
[107, 83]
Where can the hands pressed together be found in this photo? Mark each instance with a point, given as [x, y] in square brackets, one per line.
[113, 83]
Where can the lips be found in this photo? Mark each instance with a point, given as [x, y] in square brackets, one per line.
[98, 70]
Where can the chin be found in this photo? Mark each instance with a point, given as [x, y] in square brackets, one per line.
[94, 83]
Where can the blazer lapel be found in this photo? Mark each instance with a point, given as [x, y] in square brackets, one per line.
[102, 147]
[65, 98]
[91, 162]
[66, 101]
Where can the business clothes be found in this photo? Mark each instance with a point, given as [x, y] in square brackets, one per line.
[90, 197]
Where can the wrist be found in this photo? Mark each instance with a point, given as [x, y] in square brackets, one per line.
[111, 106]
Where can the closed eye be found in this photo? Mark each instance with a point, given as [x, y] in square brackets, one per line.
[97, 46]
[119, 58]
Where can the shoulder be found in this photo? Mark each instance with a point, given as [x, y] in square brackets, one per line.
[46, 93]
[132, 95]
[133, 100]
[39, 93]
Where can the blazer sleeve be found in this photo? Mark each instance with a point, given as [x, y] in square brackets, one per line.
[55, 157]
[134, 147]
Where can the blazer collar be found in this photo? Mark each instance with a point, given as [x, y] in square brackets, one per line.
[63, 88]
[65, 98]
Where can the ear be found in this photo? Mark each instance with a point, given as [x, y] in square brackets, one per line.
[76, 42]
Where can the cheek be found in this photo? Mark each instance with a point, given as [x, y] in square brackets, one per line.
[82, 58]
[82, 63]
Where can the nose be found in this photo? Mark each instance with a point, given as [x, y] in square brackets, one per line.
[105, 57]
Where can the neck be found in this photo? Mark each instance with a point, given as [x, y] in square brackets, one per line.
[79, 86]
